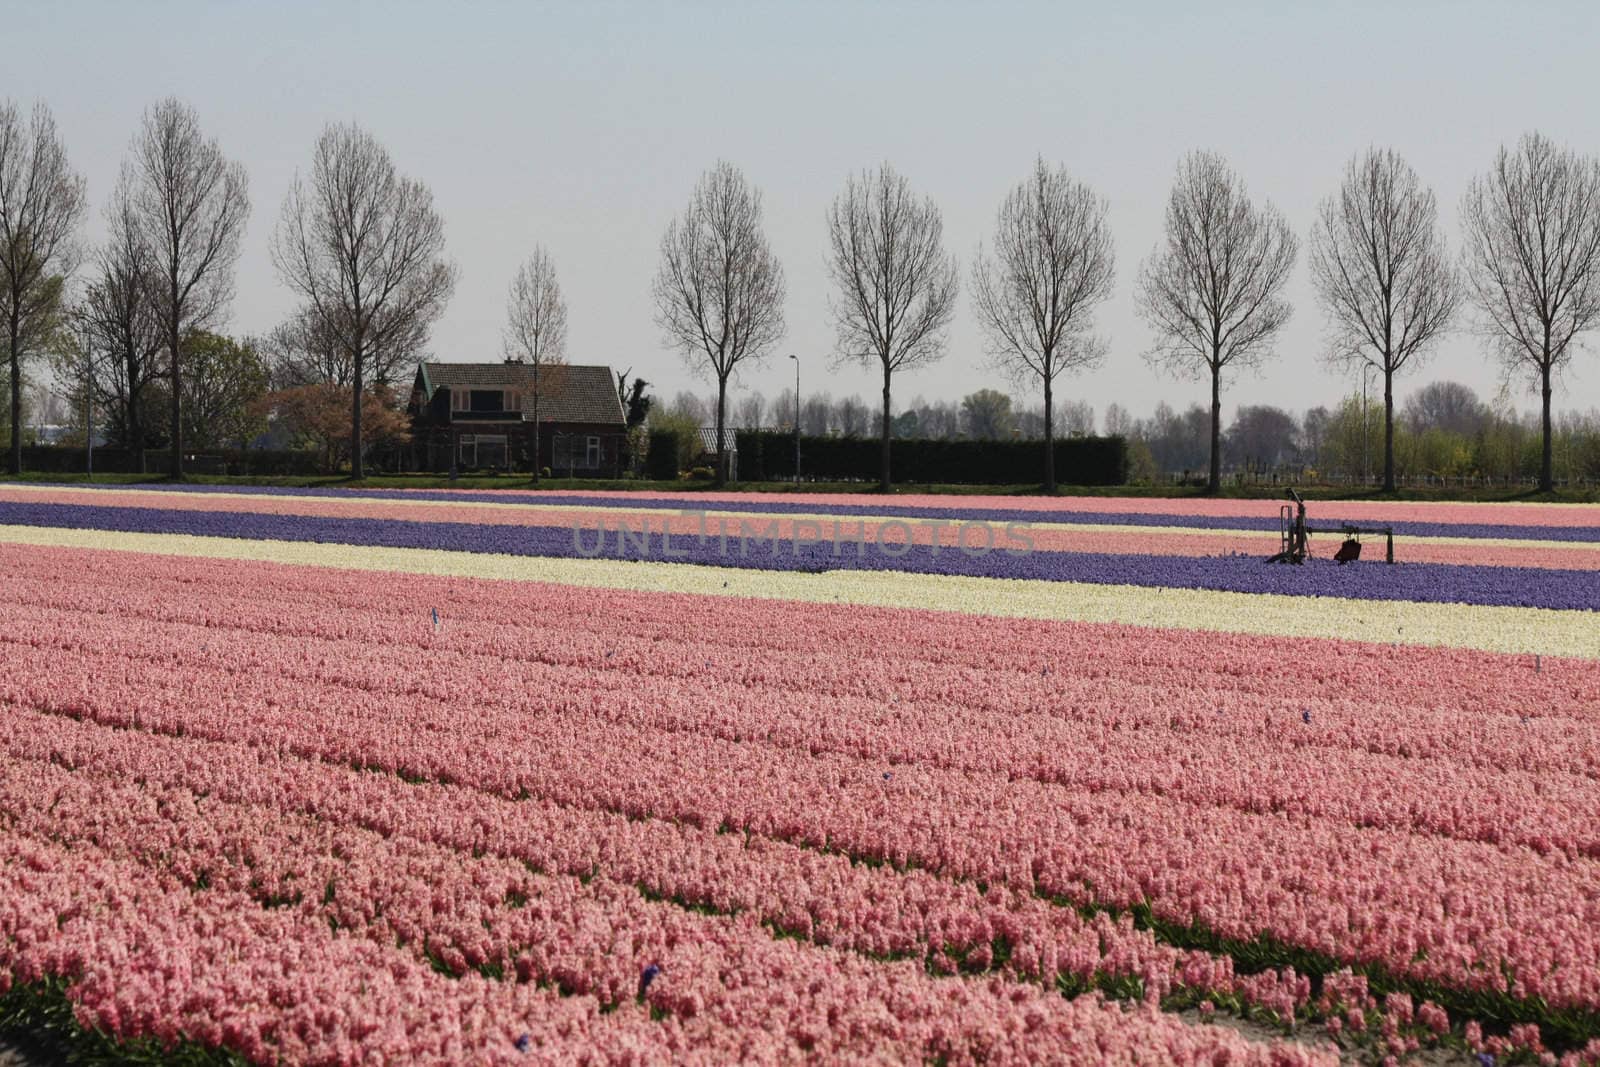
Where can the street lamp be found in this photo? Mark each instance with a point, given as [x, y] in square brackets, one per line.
[88, 407]
[796, 417]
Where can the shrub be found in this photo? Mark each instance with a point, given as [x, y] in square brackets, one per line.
[661, 459]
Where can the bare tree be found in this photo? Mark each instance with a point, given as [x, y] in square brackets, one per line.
[536, 327]
[1077, 418]
[853, 418]
[304, 351]
[1119, 423]
[685, 405]
[719, 290]
[1382, 272]
[752, 406]
[1448, 406]
[1053, 263]
[1533, 259]
[1213, 295]
[190, 205]
[121, 316]
[816, 414]
[365, 248]
[784, 410]
[897, 287]
[41, 204]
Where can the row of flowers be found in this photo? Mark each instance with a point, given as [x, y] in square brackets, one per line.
[1385, 748]
[1531, 631]
[1467, 707]
[149, 958]
[1528, 520]
[949, 534]
[284, 915]
[1409, 901]
[822, 897]
[222, 816]
[1423, 582]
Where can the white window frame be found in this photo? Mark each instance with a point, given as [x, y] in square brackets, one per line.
[591, 452]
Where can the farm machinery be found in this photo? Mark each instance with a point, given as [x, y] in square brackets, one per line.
[1296, 536]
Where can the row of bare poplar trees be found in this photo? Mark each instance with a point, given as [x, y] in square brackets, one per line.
[1212, 293]
[359, 243]
[363, 247]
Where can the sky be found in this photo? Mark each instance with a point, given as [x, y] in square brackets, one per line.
[584, 126]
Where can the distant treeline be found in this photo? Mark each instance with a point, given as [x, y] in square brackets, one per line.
[1443, 431]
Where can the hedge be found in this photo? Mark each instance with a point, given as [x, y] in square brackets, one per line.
[661, 457]
[61, 459]
[768, 455]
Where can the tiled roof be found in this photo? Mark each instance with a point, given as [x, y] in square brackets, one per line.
[567, 393]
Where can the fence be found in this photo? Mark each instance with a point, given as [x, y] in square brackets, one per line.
[60, 459]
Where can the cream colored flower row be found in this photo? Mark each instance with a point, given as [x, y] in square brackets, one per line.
[1494, 629]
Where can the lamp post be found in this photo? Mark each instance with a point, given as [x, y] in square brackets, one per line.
[796, 417]
[88, 407]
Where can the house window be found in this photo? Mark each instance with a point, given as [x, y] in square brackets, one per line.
[591, 453]
[513, 400]
[487, 400]
[467, 454]
[459, 401]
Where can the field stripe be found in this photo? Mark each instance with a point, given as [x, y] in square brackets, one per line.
[1192, 515]
[428, 510]
[1493, 629]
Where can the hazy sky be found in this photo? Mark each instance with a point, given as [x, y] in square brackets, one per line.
[584, 127]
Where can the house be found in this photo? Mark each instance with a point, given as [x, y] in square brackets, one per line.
[479, 416]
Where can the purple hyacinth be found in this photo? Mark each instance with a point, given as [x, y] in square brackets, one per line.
[1419, 582]
[648, 975]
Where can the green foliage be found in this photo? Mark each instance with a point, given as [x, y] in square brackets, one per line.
[661, 460]
[986, 414]
[223, 381]
[40, 1014]
[637, 404]
[687, 429]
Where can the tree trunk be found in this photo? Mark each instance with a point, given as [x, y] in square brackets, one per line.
[535, 422]
[14, 327]
[1388, 430]
[722, 452]
[1049, 441]
[135, 432]
[1547, 480]
[1214, 482]
[883, 460]
[356, 472]
[177, 391]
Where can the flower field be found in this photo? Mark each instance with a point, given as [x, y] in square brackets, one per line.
[325, 777]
